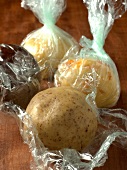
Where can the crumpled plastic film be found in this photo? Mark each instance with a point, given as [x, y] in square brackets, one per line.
[49, 43]
[101, 16]
[46, 10]
[112, 127]
[92, 70]
[17, 75]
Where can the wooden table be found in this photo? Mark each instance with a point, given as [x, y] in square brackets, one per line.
[15, 24]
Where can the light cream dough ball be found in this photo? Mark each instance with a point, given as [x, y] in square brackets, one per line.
[88, 75]
[48, 46]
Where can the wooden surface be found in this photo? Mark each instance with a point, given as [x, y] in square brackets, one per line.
[15, 24]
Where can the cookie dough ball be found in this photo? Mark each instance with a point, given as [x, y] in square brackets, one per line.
[48, 46]
[87, 75]
[17, 82]
[63, 118]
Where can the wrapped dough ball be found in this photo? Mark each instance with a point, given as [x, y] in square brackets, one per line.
[48, 48]
[89, 75]
[63, 118]
[49, 43]
[17, 79]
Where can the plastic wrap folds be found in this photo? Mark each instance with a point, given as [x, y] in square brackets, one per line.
[112, 127]
[18, 68]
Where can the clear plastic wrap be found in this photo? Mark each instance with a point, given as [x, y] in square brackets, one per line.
[112, 128]
[91, 69]
[49, 43]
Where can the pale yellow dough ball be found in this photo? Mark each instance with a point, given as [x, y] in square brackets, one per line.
[89, 75]
[63, 118]
[48, 46]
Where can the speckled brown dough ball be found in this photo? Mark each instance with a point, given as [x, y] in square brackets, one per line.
[63, 118]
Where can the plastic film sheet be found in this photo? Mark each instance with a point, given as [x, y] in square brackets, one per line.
[112, 128]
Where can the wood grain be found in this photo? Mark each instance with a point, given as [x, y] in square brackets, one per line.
[15, 24]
